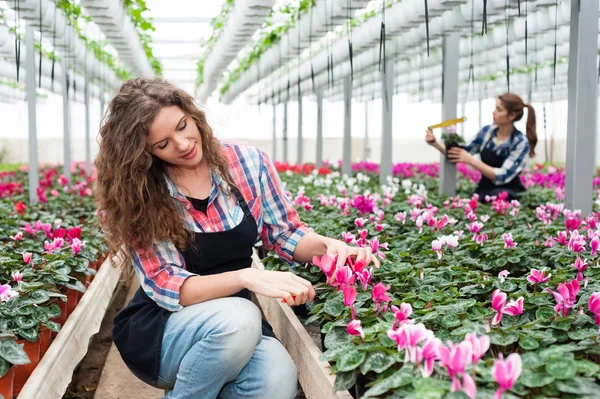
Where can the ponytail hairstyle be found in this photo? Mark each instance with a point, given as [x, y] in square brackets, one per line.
[515, 105]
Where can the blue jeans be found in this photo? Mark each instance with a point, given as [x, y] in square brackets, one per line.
[216, 349]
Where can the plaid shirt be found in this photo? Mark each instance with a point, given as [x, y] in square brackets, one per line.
[516, 149]
[161, 269]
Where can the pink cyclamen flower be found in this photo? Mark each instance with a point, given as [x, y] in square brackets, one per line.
[437, 246]
[506, 372]
[498, 302]
[480, 346]
[379, 227]
[76, 246]
[481, 238]
[402, 314]
[365, 276]
[455, 358]
[594, 246]
[428, 354]
[380, 296]
[536, 276]
[348, 237]
[565, 297]
[27, 257]
[581, 266]
[514, 308]
[360, 222]
[17, 277]
[354, 328]
[561, 238]
[327, 264]
[375, 245]
[502, 275]
[344, 275]
[594, 306]
[475, 227]
[349, 295]
[7, 293]
[17, 237]
[508, 241]
[401, 217]
[576, 242]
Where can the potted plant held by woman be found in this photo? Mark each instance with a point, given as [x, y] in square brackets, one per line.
[451, 139]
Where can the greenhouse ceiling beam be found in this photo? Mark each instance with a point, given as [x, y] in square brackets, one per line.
[583, 106]
[182, 20]
[31, 111]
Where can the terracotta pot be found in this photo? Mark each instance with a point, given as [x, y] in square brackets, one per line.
[23, 372]
[46, 340]
[7, 382]
[72, 300]
[63, 315]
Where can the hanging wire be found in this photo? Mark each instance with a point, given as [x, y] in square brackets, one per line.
[526, 27]
[519, 6]
[427, 25]
[349, 32]
[330, 50]
[382, 38]
[310, 34]
[40, 64]
[484, 24]
[17, 40]
[298, 65]
[507, 21]
[327, 37]
[555, 41]
[471, 80]
[54, 50]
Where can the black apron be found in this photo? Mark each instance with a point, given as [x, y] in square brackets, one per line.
[487, 187]
[139, 327]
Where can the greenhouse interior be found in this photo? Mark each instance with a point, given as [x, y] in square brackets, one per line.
[363, 198]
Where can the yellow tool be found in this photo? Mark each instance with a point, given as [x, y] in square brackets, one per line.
[447, 123]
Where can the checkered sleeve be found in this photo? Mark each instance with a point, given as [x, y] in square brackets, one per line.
[476, 145]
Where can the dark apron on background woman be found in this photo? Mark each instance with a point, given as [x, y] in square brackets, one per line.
[139, 327]
[488, 187]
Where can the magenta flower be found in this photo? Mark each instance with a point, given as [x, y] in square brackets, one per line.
[565, 297]
[348, 237]
[365, 277]
[379, 227]
[581, 266]
[576, 242]
[360, 222]
[502, 275]
[349, 295]
[380, 296]
[481, 238]
[506, 372]
[514, 308]
[537, 277]
[475, 227]
[27, 257]
[480, 346]
[76, 246]
[428, 354]
[549, 243]
[354, 328]
[29, 230]
[594, 306]
[508, 241]
[7, 293]
[344, 275]
[455, 358]
[561, 238]
[375, 245]
[17, 277]
[498, 302]
[401, 217]
[594, 246]
[363, 204]
[402, 314]
[17, 237]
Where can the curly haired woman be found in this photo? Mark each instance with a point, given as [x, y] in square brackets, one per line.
[183, 211]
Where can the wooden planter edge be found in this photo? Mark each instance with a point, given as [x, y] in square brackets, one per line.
[53, 374]
[314, 374]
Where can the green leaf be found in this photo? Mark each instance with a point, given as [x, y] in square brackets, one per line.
[335, 305]
[532, 360]
[13, 352]
[450, 321]
[561, 368]
[376, 361]
[4, 366]
[578, 386]
[35, 298]
[52, 326]
[30, 334]
[544, 313]
[528, 343]
[587, 368]
[336, 336]
[400, 378]
[429, 388]
[25, 321]
[344, 381]
[583, 334]
[350, 360]
[500, 262]
[503, 340]
[535, 380]
[53, 310]
[75, 285]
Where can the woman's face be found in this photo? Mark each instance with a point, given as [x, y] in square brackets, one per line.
[175, 138]
[501, 115]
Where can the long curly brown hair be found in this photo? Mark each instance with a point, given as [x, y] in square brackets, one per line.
[135, 207]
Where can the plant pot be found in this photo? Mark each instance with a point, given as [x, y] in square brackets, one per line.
[45, 340]
[63, 315]
[72, 300]
[7, 383]
[449, 146]
[23, 372]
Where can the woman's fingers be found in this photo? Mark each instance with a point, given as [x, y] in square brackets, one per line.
[342, 255]
[307, 284]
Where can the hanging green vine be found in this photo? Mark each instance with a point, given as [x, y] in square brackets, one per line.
[135, 9]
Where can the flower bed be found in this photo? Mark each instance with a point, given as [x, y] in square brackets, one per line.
[472, 300]
[49, 253]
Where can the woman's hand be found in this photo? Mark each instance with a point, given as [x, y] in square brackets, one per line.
[429, 137]
[293, 289]
[343, 251]
[457, 154]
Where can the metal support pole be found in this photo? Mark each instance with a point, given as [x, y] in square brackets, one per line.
[31, 108]
[319, 128]
[583, 106]
[300, 143]
[285, 131]
[88, 149]
[387, 106]
[66, 122]
[274, 131]
[367, 152]
[347, 158]
[450, 61]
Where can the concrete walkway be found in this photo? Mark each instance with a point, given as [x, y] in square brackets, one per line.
[117, 382]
